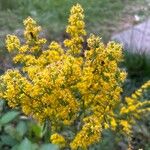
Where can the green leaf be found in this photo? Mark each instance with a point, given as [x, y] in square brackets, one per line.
[1, 105]
[21, 128]
[26, 145]
[8, 117]
[36, 129]
[15, 147]
[49, 147]
[11, 130]
[0, 128]
[7, 140]
[33, 147]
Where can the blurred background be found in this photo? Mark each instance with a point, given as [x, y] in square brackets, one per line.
[106, 18]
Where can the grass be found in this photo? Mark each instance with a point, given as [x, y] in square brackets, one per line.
[138, 65]
[101, 16]
[138, 68]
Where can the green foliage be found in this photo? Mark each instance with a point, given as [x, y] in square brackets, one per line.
[138, 68]
[141, 134]
[137, 64]
[53, 14]
[20, 133]
[8, 117]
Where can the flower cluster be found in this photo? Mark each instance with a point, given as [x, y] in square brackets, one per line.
[75, 93]
[58, 139]
[134, 108]
[12, 42]
[76, 31]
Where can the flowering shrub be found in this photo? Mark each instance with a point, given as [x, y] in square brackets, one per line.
[75, 91]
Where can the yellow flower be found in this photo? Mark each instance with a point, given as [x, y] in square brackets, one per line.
[75, 89]
[89, 134]
[31, 30]
[126, 126]
[113, 123]
[76, 31]
[58, 139]
[12, 43]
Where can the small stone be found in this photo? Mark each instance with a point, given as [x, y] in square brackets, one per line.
[136, 38]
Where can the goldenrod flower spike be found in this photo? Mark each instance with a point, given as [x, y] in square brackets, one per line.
[12, 43]
[58, 139]
[76, 31]
[31, 29]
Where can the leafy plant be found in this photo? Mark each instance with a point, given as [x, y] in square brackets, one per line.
[74, 92]
[137, 64]
[18, 132]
